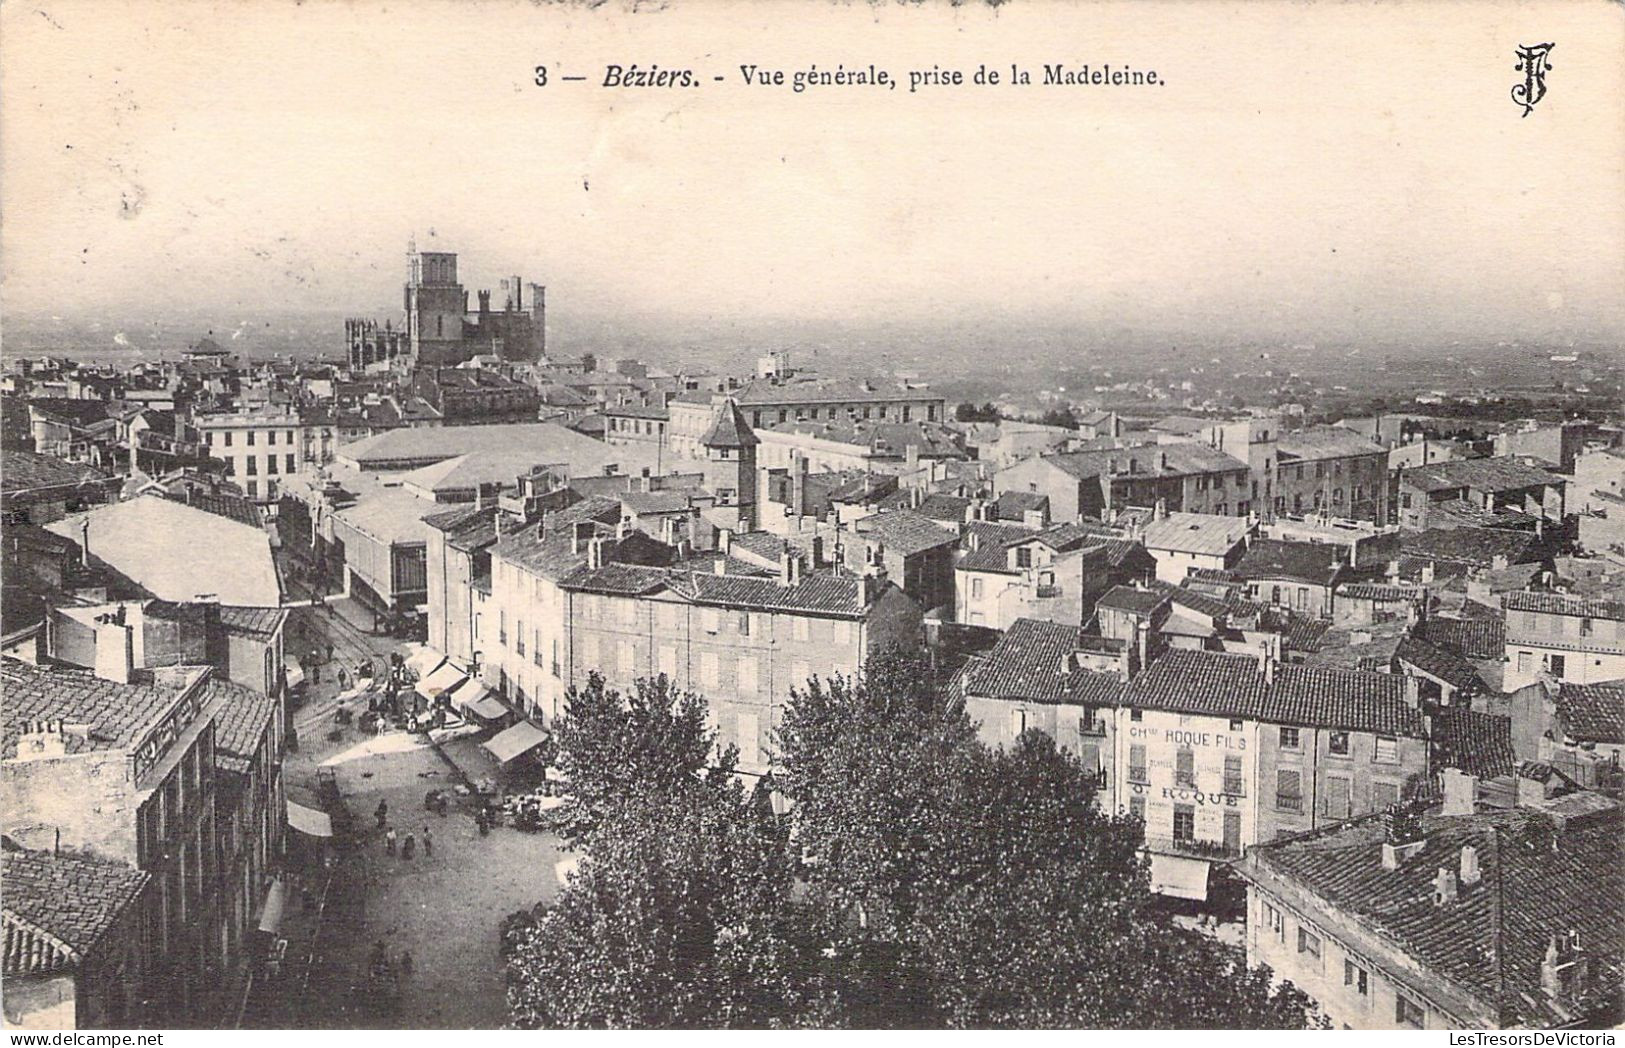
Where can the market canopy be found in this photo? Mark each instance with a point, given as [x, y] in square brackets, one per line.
[474, 697]
[309, 820]
[1180, 877]
[444, 678]
[424, 660]
[515, 741]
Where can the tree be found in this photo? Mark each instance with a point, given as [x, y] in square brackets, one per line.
[611, 745]
[678, 916]
[1061, 416]
[969, 412]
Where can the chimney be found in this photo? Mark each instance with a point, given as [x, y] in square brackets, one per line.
[580, 535]
[1444, 887]
[1266, 662]
[1402, 836]
[1460, 792]
[725, 541]
[1161, 511]
[1563, 971]
[595, 553]
[1470, 872]
[817, 551]
[1413, 690]
[911, 456]
[496, 521]
[787, 567]
[1162, 461]
[720, 565]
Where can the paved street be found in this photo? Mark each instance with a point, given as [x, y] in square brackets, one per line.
[445, 908]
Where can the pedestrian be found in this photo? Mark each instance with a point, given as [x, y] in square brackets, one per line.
[481, 821]
[389, 841]
[344, 680]
[330, 651]
[428, 843]
[406, 963]
[382, 813]
[408, 846]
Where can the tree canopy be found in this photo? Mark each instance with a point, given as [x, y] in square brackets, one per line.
[919, 879]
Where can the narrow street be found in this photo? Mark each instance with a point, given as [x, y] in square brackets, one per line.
[443, 908]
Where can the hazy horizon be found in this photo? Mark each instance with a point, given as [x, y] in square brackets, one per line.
[1323, 177]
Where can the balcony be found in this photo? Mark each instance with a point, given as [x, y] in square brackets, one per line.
[1192, 848]
[1048, 592]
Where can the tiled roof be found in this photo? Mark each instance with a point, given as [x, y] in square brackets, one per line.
[467, 527]
[629, 580]
[1163, 460]
[1325, 442]
[80, 412]
[232, 507]
[1032, 662]
[25, 471]
[648, 411]
[1474, 638]
[1202, 533]
[1476, 546]
[950, 508]
[825, 391]
[818, 593]
[1348, 699]
[1127, 598]
[1377, 592]
[730, 430]
[1315, 562]
[111, 715]
[1501, 473]
[1563, 604]
[240, 726]
[1013, 505]
[985, 544]
[1477, 743]
[1231, 685]
[262, 622]
[906, 532]
[57, 908]
[1593, 712]
[1439, 662]
[532, 441]
[1492, 939]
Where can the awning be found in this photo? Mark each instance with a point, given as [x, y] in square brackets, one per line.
[1180, 877]
[515, 741]
[444, 678]
[293, 674]
[309, 820]
[271, 916]
[424, 660]
[476, 698]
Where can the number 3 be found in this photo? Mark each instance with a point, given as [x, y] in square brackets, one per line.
[541, 76]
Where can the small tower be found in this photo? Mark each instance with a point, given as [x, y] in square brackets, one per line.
[730, 462]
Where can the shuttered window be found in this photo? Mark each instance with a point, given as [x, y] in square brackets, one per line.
[1288, 790]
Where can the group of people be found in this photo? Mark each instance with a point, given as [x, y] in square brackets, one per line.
[408, 847]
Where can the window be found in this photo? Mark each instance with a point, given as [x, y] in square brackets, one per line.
[1232, 832]
[290, 436]
[1288, 789]
[1337, 743]
[1136, 715]
[1407, 1012]
[270, 436]
[1136, 763]
[253, 465]
[1136, 807]
[250, 438]
[1585, 627]
[1184, 822]
[1523, 662]
[1275, 921]
[1184, 767]
[270, 464]
[747, 675]
[1384, 795]
[1558, 664]
[1387, 751]
[1337, 797]
[1309, 943]
[1357, 977]
[1289, 738]
[519, 636]
[1024, 557]
[253, 489]
[1235, 724]
[1232, 776]
[1018, 722]
[976, 588]
[287, 464]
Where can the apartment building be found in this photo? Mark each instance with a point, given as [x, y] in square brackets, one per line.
[124, 772]
[1570, 639]
[1452, 919]
[769, 401]
[1189, 477]
[1331, 470]
[259, 450]
[571, 601]
[1056, 574]
[1486, 485]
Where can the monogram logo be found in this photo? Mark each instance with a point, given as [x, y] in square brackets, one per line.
[1533, 63]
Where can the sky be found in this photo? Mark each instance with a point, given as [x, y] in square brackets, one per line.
[1330, 169]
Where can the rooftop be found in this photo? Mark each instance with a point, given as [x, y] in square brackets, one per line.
[25, 471]
[1593, 712]
[829, 391]
[1473, 546]
[1479, 744]
[1200, 533]
[1325, 442]
[536, 441]
[57, 908]
[1491, 941]
[240, 726]
[98, 714]
[906, 532]
[1564, 604]
[1501, 473]
[1033, 662]
[1315, 562]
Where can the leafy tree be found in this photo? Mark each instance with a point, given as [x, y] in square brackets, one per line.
[969, 412]
[611, 745]
[678, 916]
[1061, 416]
